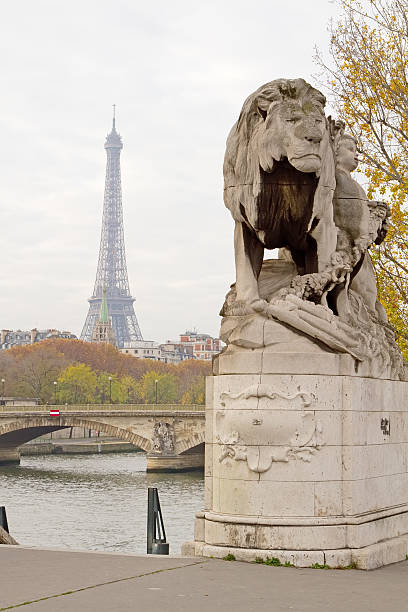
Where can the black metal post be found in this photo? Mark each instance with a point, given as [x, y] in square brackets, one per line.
[156, 535]
[110, 389]
[3, 519]
[156, 382]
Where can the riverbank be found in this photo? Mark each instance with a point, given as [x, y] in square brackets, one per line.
[85, 446]
[67, 581]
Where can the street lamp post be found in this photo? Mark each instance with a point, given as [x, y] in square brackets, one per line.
[3, 384]
[156, 382]
[110, 389]
[55, 392]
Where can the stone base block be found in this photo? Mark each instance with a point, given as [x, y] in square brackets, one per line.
[175, 463]
[9, 456]
[362, 545]
[306, 461]
[383, 553]
[300, 533]
[367, 558]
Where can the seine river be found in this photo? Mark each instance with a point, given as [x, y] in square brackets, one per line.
[95, 502]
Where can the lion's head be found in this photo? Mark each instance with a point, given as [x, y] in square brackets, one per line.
[284, 118]
[293, 125]
[282, 124]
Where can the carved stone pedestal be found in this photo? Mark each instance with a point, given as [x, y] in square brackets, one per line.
[306, 461]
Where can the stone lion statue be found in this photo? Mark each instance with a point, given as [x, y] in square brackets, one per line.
[279, 180]
[288, 185]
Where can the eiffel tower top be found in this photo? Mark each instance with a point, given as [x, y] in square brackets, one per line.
[113, 140]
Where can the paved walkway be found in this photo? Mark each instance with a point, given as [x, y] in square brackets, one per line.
[63, 581]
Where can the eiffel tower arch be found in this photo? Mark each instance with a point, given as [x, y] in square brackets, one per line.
[111, 274]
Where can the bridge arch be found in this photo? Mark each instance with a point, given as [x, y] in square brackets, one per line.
[186, 445]
[19, 432]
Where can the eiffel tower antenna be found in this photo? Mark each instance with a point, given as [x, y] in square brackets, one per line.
[111, 274]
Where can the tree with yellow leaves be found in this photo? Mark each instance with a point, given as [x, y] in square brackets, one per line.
[77, 385]
[159, 388]
[368, 84]
[196, 393]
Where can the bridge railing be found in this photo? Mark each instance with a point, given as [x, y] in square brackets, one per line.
[63, 408]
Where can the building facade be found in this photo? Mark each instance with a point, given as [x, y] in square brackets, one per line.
[143, 349]
[10, 338]
[174, 352]
[202, 346]
[191, 345]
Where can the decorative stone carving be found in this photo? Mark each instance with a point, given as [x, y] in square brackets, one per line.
[163, 438]
[261, 437]
[288, 185]
[279, 182]
[265, 391]
[260, 459]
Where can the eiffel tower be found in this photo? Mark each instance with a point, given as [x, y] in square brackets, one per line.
[111, 275]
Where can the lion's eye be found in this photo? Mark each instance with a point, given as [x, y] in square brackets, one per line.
[293, 120]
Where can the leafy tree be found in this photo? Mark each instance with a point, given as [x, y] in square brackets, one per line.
[188, 371]
[30, 371]
[103, 357]
[196, 393]
[368, 84]
[130, 391]
[167, 389]
[77, 385]
[107, 388]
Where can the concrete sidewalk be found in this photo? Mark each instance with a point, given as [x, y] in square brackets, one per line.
[62, 581]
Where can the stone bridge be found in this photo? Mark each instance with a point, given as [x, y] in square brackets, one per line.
[171, 435]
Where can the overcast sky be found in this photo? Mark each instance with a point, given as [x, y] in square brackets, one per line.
[178, 72]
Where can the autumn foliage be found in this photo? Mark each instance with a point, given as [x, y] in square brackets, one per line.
[367, 81]
[97, 373]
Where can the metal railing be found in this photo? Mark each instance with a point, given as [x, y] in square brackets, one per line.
[64, 408]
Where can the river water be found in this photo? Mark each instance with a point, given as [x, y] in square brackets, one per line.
[95, 502]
